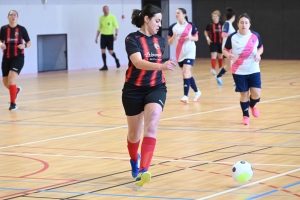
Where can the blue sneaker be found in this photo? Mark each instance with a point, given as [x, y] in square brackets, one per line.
[143, 177]
[219, 81]
[135, 167]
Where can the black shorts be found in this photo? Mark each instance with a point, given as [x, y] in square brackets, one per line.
[107, 41]
[187, 62]
[14, 63]
[215, 47]
[244, 82]
[134, 98]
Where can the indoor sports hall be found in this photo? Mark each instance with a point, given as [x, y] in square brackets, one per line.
[68, 137]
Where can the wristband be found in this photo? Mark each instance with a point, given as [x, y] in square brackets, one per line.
[207, 38]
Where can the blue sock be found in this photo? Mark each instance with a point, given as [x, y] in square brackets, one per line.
[253, 102]
[193, 84]
[245, 108]
[221, 72]
[186, 86]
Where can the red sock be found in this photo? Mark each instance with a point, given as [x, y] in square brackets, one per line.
[148, 147]
[133, 150]
[13, 93]
[220, 63]
[213, 63]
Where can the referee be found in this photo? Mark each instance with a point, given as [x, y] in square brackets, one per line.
[107, 23]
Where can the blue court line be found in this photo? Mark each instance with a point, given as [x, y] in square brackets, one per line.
[261, 195]
[291, 185]
[272, 191]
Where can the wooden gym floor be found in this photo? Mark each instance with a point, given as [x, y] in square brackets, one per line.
[67, 140]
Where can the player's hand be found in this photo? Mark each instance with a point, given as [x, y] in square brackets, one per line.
[96, 40]
[169, 65]
[257, 58]
[115, 38]
[175, 35]
[208, 42]
[3, 46]
[21, 46]
[231, 56]
[187, 38]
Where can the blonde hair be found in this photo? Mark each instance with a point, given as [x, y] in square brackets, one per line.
[217, 12]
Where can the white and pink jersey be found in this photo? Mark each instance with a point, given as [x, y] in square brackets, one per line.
[184, 49]
[244, 48]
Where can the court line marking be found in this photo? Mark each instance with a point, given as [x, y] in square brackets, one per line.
[126, 159]
[124, 126]
[249, 184]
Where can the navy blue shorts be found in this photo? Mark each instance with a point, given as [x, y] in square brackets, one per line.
[187, 62]
[244, 82]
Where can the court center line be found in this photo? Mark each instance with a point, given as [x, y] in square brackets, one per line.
[249, 184]
[118, 127]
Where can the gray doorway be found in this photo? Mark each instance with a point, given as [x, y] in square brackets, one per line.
[52, 52]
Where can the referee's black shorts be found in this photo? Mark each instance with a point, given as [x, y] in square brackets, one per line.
[107, 41]
[15, 64]
[134, 98]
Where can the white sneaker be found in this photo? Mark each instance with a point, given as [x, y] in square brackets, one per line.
[184, 99]
[197, 95]
[213, 71]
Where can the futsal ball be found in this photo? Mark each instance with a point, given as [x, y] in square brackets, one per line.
[242, 171]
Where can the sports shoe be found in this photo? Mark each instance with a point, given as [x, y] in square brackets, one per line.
[135, 167]
[254, 111]
[219, 81]
[118, 63]
[197, 95]
[143, 177]
[184, 99]
[104, 68]
[213, 71]
[13, 106]
[246, 120]
[18, 92]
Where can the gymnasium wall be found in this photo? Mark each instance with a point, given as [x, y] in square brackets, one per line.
[79, 20]
[277, 21]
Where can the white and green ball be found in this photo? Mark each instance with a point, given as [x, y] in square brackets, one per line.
[242, 171]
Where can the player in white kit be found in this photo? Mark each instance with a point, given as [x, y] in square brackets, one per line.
[184, 34]
[244, 49]
[227, 30]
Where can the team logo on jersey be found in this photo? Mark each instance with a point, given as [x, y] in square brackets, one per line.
[156, 46]
[108, 23]
[16, 33]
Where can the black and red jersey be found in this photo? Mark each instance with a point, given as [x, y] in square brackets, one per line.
[12, 37]
[151, 49]
[215, 32]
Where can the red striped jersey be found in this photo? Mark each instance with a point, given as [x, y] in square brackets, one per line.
[151, 49]
[12, 37]
[215, 32]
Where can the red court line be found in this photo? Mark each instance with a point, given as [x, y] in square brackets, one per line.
[45, 164]
[101, 113]
[34, 190]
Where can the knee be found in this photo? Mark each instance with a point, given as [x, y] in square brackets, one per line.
[134, 136]
[186, 74]
[10, 81]
[151, 125]
[111, 52]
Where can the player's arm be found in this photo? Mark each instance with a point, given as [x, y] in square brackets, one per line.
[26, 38]
[225, 30]
[139, 63]
[116, 25]
[171, 36]
[2, 45]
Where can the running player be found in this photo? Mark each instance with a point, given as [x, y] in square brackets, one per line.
[185, 34]
[11, 42]
[246, 47]
[107, 23]
[214, 40]
[144, 91]
[227, 29]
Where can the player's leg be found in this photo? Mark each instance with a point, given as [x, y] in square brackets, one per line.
[187, 65]
[16, 66]
[103, 45]
[213, 53]
[222, 71]
[186, 84]
[243, 88]
[5, 67]
[154, 103]
[110, 48]
[133, 105]
[220, 56]
[255, 90]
